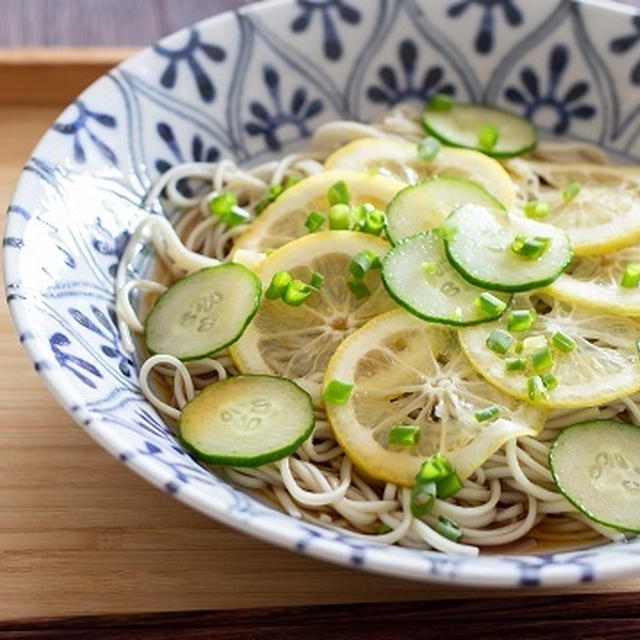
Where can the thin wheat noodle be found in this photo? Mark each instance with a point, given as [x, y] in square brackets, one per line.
[519, 477]
[317, 483]
[125, 309]
[307, 497]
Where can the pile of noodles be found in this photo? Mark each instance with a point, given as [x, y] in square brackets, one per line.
[509, 503]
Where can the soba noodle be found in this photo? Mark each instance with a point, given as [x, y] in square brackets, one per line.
[509, 502]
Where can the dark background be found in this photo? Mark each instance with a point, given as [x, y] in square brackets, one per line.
[106, 22]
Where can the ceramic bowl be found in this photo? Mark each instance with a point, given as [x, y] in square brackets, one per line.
[251, 85]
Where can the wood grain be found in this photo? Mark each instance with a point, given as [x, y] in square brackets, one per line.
[615, 617]
[68, 71]
[81, 534]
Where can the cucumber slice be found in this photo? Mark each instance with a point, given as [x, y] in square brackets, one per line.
[478, 245]
[247, 421]
[426, 205]
[203, 313]
[596, 465]
[418, 277]
[460, 127]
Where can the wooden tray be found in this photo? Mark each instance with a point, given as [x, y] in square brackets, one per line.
[80, 533]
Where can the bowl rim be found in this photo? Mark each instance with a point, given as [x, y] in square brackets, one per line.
[480, 571]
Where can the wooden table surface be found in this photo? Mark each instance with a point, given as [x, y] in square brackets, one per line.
[82, 535]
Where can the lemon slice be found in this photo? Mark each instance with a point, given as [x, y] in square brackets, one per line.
[406, 371]
[399, 159]
[594, 281]
[601, 366]
[603, 217]
[284, 220]
[297, 342]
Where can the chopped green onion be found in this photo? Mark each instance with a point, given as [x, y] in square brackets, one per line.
[536, 209]
[440, 102]
[361, 263]
[436, 470]
[638, 347]
[533, 342]
[423, 497]
[631, 275]
[406, 435]
[490, 413]
[435, 467]
[337, 392]
[374, 222]
[570, 191]
[358, 288]
[448, 529]
[530, 248]
[296, 293]
[428, 148]
[549, 381]
[536, 388]
[429, 268]
[290, 182]
[338, 193]
[541, 359]
[487, 137]
[563, 342]
[383, 528]
[515, 364]
[314, 221]
[339, 216]
[448, 486]
[222, 203]
[518, 346]
[499, 341]
[273, 193]
[225, 206]
[278, 285]
[490, 304]
[520, 320]
[236, 216]
[317, 280]
[359, 214]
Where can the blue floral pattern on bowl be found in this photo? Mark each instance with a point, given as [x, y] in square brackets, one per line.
[248, 86]
[531, 96]
[327, 9]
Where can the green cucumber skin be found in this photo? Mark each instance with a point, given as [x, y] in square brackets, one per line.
[492, 154]
[262, 459]
[496, 286]
[498, 205]
[437, 320]
[560, 488]
[257, 299]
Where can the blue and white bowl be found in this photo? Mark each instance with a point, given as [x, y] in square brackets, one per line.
[249, 85]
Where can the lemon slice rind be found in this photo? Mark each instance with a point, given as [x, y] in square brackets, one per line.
[297, 342]
[406, 371]
[399, 159]
[283, 220]
[602, 218]
[594, 281]
[602, 367]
